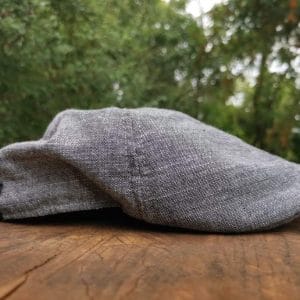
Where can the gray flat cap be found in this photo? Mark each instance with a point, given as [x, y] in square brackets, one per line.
[157, 165]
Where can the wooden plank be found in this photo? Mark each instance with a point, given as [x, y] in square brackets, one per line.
[106, 255]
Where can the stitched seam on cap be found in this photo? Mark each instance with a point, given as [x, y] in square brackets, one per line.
[135, 172]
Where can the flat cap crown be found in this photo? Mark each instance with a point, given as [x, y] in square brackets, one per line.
[158, 165]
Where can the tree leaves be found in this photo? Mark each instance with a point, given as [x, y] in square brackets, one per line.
[90, 54]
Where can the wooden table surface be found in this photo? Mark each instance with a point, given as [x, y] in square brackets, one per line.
[106, 255]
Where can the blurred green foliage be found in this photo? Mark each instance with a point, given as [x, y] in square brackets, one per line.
[236, 67]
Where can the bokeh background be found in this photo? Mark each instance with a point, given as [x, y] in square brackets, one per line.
[234, 64]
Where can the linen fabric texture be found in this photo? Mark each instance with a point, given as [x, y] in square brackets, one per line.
[157, 165]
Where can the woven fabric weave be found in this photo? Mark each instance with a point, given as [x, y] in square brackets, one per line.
[157, 165]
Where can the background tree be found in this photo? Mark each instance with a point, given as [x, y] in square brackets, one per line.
[236, 67]
[258, 44]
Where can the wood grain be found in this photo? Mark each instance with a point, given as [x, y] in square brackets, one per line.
[106, 255]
